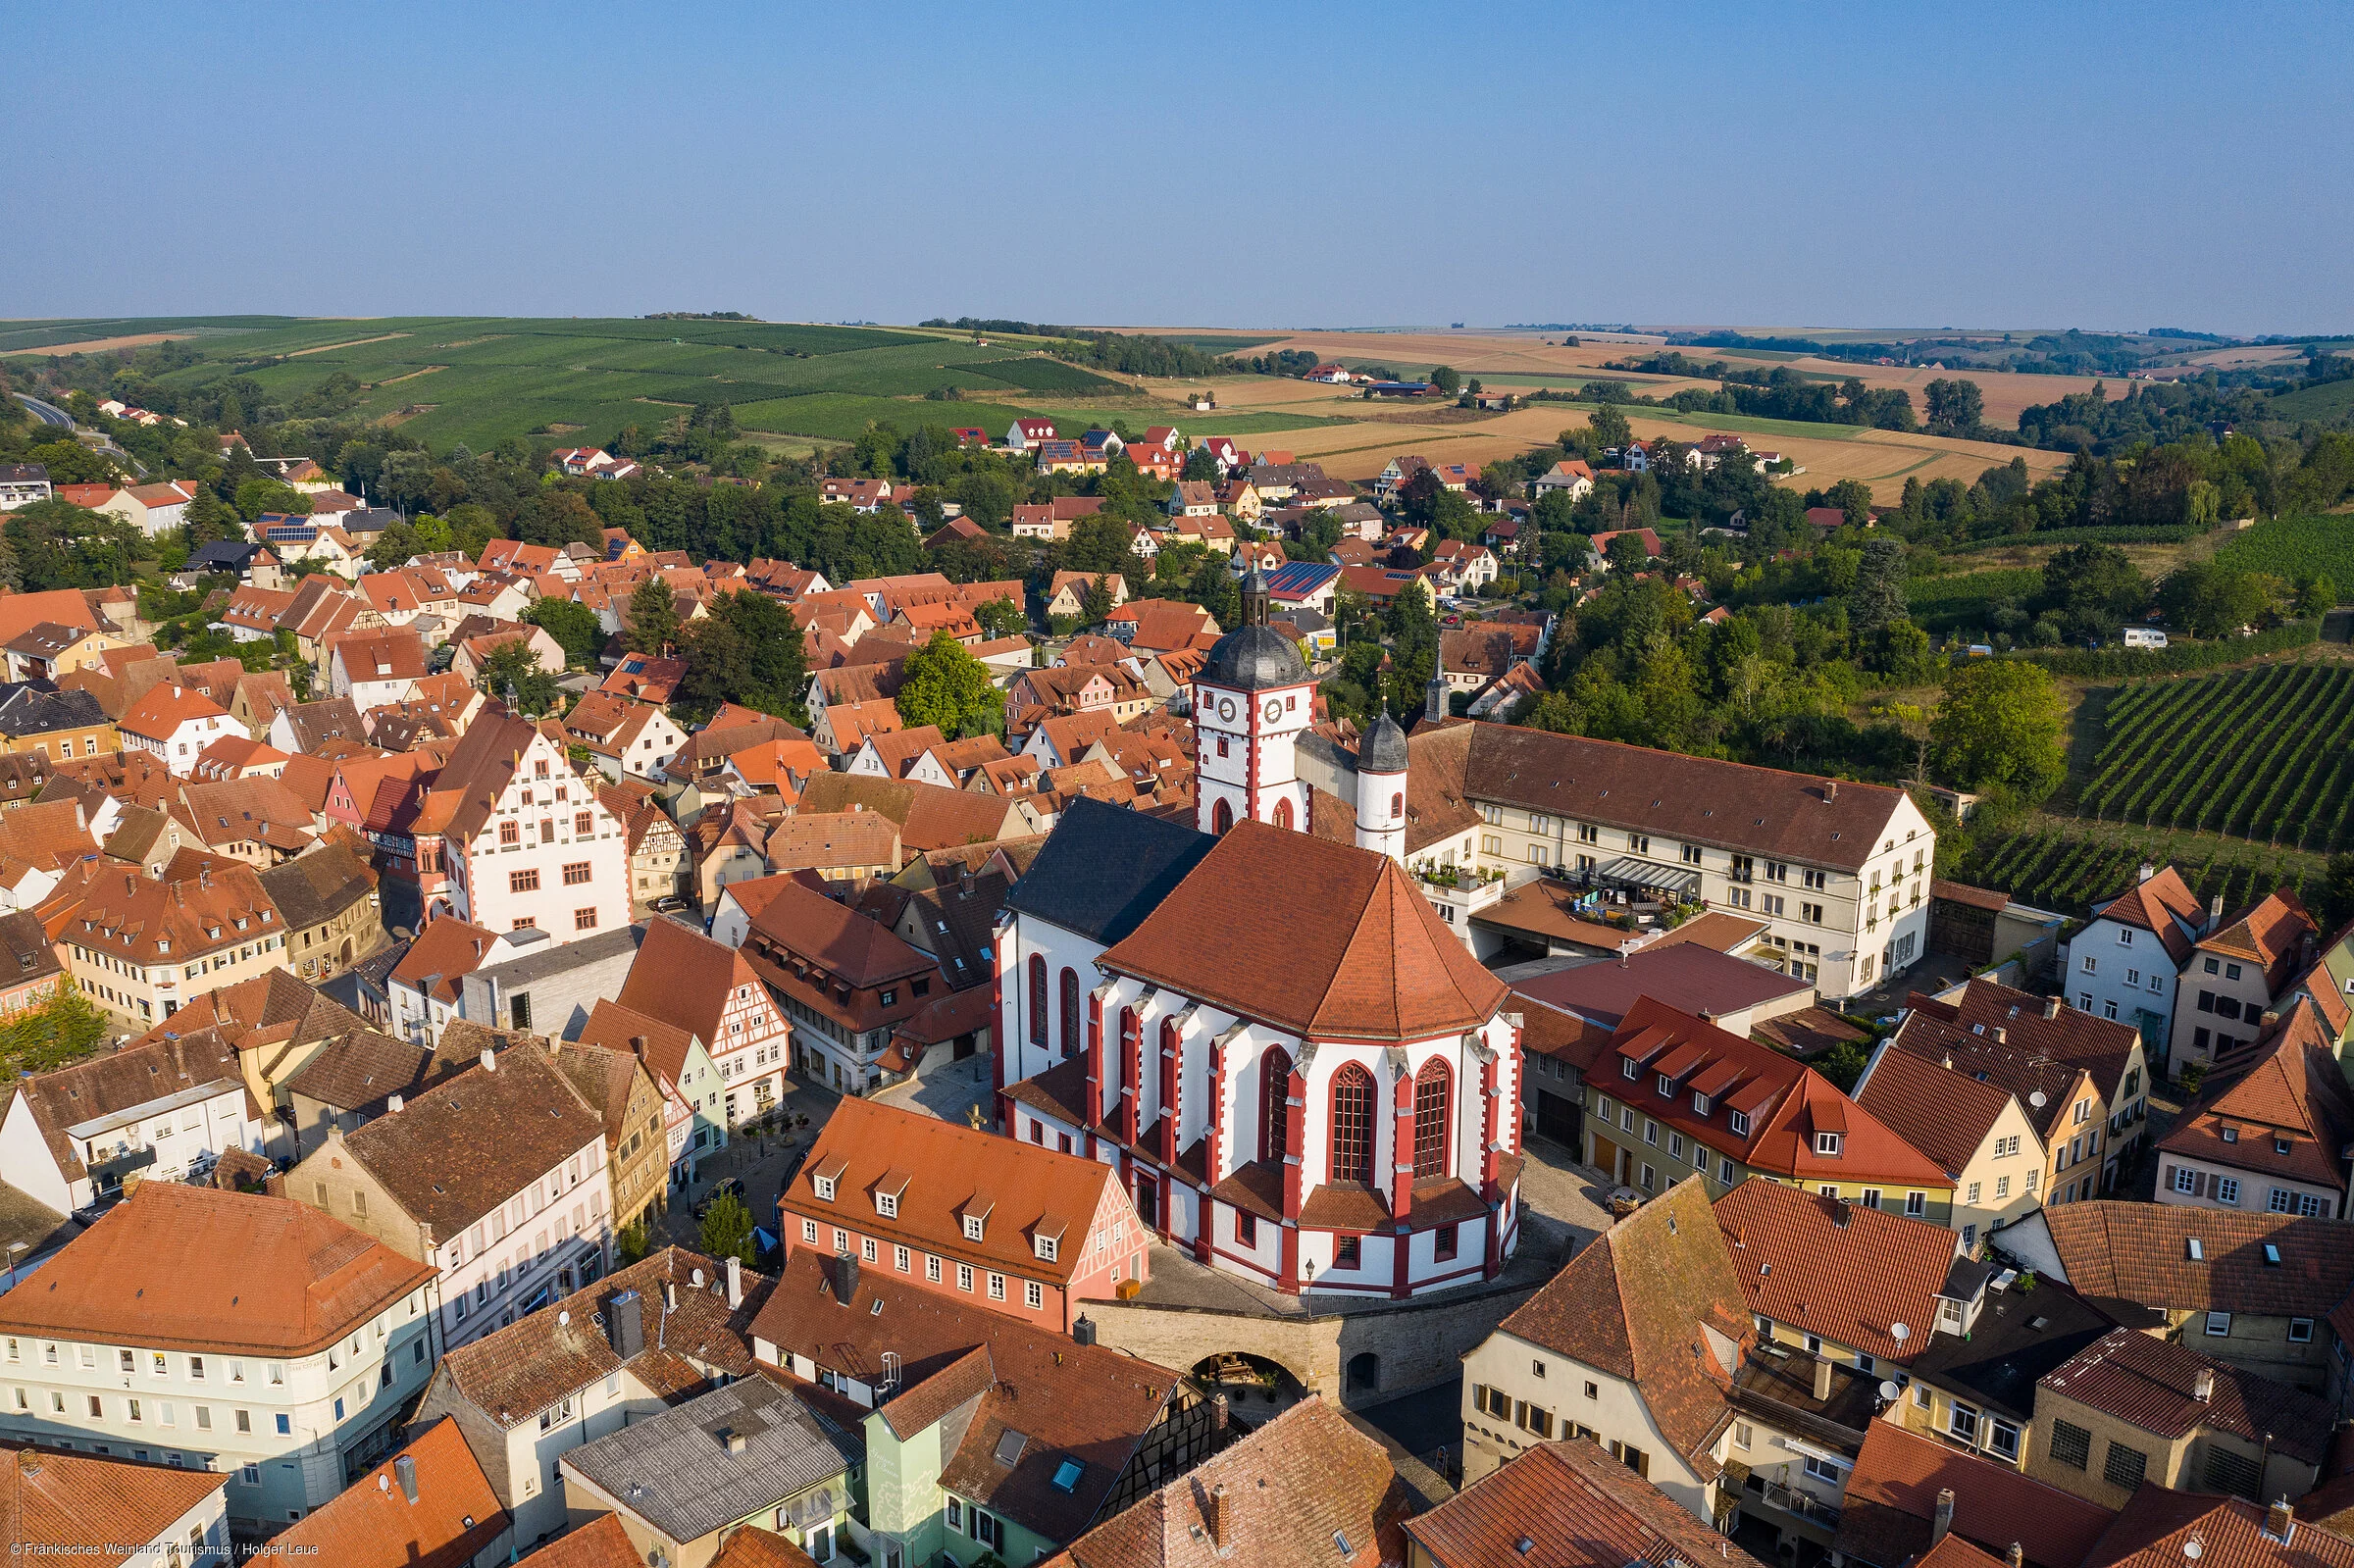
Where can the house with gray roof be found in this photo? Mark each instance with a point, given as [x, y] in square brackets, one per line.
[751, 1453]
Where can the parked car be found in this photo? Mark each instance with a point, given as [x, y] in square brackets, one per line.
[732, 1187]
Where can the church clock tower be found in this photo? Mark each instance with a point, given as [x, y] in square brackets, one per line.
[1251, 701]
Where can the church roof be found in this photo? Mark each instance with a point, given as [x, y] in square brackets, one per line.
[1324, 940]
[1104, 869]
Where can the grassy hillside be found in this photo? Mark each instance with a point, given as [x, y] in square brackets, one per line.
[2327, 403]
[478, 380]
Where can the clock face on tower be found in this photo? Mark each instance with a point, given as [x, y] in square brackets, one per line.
[1225, 707]
[1274, 709]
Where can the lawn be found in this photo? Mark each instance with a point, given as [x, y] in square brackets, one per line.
[2297, 547]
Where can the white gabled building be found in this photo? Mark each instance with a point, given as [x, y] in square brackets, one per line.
[174, 724]
[528, 842]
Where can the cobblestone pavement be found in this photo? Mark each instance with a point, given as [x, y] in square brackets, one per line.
[758, 1160]
[1561, 1199]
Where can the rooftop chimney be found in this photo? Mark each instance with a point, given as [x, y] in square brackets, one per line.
[730, 1439]
[1844, 1210]
[625, 1325]
[489, 1060]
[2051, 1008]
[735, 1282]
[1830, 790]
[1822, 1379]
[1083, 1331]
[1944, 1520]
[2147, 872]
[2202, 1387]
[395, 1103]
[2002, 1035]
[1214, 1513]
[2215, 911]
[2017, 1557]
[2281, 1521]
[405, 1467]
[670, 1295]
[845, 1277]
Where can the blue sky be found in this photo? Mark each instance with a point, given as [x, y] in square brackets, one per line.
[1247, 166]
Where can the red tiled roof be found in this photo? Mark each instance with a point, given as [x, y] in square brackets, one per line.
[200, 1269]
[2152, 1384]
[1321, 939]
[2141, 1252]
[1836, 1269]
[1578, 1508]
[1305, 1488]
[2158, 1528]
[99, 1510]
[1892, 1492]
[2286, 1089]
[1636, 1304]
[374, 1523]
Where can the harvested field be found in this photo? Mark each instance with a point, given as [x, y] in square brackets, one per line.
[102, 345]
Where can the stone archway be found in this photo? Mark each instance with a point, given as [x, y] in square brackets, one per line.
[1256, 1387]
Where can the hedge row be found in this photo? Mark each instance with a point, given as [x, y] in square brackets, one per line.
[2176, 658]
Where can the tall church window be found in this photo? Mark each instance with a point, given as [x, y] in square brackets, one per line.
[1274, 1111]
[1070, 1011]
[1351, 1124]
[1221, 817]
[1283, 813]
[1037, 999]
[1432, 1102]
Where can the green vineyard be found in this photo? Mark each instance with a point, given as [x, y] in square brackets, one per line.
[2259, 754]
[2065, 872]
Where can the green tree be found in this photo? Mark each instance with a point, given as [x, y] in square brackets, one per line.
[1843, 1064]
[61, 1030]
[635, 1240]
[1445, 379]
[1198, 464]
[945, 686]
[71, 463]
[258, 495]
[2337, 892]
[2095, 588]
[1095, 607]
[727, 1231]
[748, 651]
[653, 617]
[1877, 599]
[210, 519]
[1414, 649]
[1627, 552]
[2315, 594]
[1607, 427]
[2000, 726]
[1001, 618]
[1853, 497]
[572, 624]
[2209, 600]
[513, 666]
[1955, 407]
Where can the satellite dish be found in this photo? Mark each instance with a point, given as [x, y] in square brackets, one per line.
[1900, 1332]
[1889, 1392]
[2038, 1099]
[2192, 1550]
[563, 1318]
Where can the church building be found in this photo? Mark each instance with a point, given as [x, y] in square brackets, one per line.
[1301, 1073]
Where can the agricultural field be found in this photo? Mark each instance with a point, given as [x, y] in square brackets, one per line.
[2264, 753]
[2332, 400]
[2297, 547]
[2052, 867]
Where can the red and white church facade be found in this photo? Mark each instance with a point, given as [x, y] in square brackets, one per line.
[1301, 1074]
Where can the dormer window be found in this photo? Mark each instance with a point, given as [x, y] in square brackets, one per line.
[1045, 1247]
[2231, 1135]
[1827, 1144]
[1630, 1069]
[972, 1227]
[1738, 1122]
[1667, 1087]
[824, 1185]
[887, 1204]
[1700, 1102]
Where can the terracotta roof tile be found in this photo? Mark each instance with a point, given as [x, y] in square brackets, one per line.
[1324, 940]
[101, 1510]
[374, 1523]
[1892, 1497]
[196, 1268]
[945, 1172]
[1305, 1488]
[1837, 1269]
[2151, 1384]
[2140, 1252]
[1579, 1508]
[2159, 1525]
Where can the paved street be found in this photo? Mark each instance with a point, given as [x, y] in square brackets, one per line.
[760, 1161]
[950, 1093]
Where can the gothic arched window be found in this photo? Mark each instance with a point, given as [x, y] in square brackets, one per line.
[1275, 1109]
[1433, 1101]
[1037, 999]
[1352, 1125]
